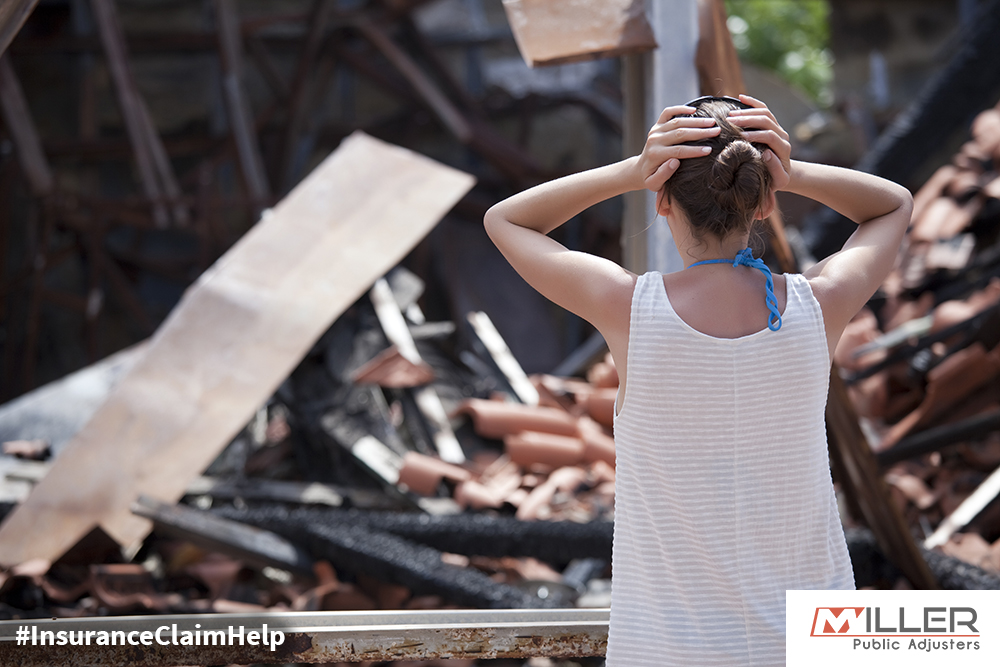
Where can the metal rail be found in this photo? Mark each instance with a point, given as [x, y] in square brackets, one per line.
[317, 637]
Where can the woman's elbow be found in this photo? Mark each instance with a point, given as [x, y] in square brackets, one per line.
[492, 220]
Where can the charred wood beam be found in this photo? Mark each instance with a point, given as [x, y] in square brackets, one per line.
[362, 549]
[555, 542]
[253, 545]
[936, 439]
[871, 568]
[983, 327]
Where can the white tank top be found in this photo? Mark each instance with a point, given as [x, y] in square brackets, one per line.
[723, 494]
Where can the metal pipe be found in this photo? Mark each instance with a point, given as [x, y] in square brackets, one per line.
[317, 637]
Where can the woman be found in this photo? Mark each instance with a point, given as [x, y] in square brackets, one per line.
[723, 493]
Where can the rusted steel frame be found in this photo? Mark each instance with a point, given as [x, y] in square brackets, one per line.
[307, 126]
[21, 129]
[120, 284]
[448, 113]
[268, 69]
[857, 471]
[22, 275]
[240, 118]
[325, 637]
[319, 20]
[13, 14]
[154, 166]
[439, 67]
[477, 134]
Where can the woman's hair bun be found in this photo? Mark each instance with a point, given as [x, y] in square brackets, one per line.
[726, 171]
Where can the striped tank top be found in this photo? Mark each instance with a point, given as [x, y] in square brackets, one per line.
[723, 494]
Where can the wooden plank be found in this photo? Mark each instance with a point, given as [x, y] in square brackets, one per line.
[13, 14]
[240, 118]
[553, 33]
[236, 335]
[17, 118]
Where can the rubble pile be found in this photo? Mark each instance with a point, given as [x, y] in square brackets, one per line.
[351, 504]
[922, 362]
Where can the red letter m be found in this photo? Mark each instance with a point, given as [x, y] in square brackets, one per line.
[835, 620]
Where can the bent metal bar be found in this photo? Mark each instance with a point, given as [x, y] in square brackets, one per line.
[296, 637]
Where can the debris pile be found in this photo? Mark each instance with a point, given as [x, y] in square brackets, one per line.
[923, 364]
[337, 496]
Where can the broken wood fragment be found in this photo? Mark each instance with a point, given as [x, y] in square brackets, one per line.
[396, 330]
[494, 343]
[554, 33]
[967, 511]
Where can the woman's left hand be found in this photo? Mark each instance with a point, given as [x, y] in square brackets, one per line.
[665, 147]
[760, 126]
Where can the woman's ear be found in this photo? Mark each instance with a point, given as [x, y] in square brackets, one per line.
[767, 208]
[662, 202]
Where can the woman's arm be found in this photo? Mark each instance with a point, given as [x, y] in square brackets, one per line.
[587, 285]
[844, 281]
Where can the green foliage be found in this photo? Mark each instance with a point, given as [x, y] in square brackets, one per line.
[789, 37]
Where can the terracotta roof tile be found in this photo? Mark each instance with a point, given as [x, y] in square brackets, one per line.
[494, 419]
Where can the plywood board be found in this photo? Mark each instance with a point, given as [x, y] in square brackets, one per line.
[553, 33]
[235, 336]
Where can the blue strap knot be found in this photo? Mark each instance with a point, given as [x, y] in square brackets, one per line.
[745, 258]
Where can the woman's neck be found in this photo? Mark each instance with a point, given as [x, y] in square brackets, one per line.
[711, 247]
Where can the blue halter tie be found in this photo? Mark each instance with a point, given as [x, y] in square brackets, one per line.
[746, 258]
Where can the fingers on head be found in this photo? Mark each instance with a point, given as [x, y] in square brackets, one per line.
[679, 110]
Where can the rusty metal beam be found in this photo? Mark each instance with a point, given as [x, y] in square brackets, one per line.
[323, 637]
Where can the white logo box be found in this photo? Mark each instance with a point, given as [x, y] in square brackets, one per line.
[886, 628]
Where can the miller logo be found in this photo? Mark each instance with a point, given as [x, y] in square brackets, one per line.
[876, 621]
[836, 621]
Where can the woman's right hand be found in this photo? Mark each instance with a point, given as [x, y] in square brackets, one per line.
[760, 126]
[665, 147]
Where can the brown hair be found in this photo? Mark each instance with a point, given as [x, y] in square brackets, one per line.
[722, 192]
